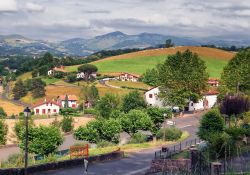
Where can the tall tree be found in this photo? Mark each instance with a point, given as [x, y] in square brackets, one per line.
[150, 77]
[88, 69]
[19, 90]
[133, 100]
[236, 74]
[90, 94]
[66, 104]
[38, 88]
[182, 77]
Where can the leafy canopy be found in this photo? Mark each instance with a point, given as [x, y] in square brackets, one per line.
[182, 76]
[133, 100]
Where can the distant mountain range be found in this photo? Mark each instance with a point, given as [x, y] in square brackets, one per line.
[20, 45]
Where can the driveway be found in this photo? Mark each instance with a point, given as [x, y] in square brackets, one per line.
[135, 163]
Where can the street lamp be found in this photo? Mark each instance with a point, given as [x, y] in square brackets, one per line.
[164, 126]
[26, 114]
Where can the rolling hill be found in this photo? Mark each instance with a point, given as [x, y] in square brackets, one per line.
[138, 62]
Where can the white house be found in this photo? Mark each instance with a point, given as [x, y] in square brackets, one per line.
[208, 100]
[60, 69]
[213, 82]
[152, 97]
[50, 72]
[46, 108]
[80, 75]
[72, 101]
[128, 77]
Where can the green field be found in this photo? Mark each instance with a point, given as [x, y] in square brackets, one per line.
[139, 65]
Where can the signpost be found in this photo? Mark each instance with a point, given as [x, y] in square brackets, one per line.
[79, 151]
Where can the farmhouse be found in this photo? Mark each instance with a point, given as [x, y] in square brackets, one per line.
[59, 69]
[152, 97]
[47, 108]
[208, 101]
[128, 77]
[72, 100]
[81, 75]
[213, 82]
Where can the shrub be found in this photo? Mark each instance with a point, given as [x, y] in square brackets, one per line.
[211, 122]
[90, 111]
[43, 140]
[133, 100]
[56, 123]
[110, 130]
[235, 132]
[157, 115]
[69, 112]
[138, 138]
[2, 113]
[104, 143]
[90, 132]
[20, 125]
[67, 124]
[3, 132]
[171, 134]
[246, 118]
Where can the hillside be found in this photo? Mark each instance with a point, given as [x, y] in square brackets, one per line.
[138, 62]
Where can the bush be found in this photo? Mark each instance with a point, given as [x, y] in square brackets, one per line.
[246, 118]
[3, 132]
[138, 138]
[2, 113]
[69, 112]
[104, 143]
[90, 111]
[20, 125]
[43, 140]
[211, 122]
[110, 130]
[90, 132]
[133, 100]
[157, 115]
[171, 134]
[236, 133]
[67, 124]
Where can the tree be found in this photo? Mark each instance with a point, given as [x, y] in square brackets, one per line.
[87, 69]
[234, 106]
[66, 104]
[3, 132]
[157, 115]
[71, 78]
[38, 88]
[2, 113]
[236, 74]
[20, 125]
[110, 130]
[59, 74]
[133, 100]
[19, 90]
[67, 124]
[43, 70]
[107, 104]
[182, 77]
[150, 77]
[139, 120]
[90, 94]
[169, 43]
[211, 123]
[43, 140]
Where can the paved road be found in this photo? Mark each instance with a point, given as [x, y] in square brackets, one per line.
[133, 164]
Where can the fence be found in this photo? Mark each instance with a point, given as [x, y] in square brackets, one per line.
[177, 148]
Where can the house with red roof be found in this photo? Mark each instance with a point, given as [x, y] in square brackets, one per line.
[47, 107]
[72, 100]
[213, 82]
[128, 77]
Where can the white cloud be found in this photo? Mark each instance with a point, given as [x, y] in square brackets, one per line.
[8, 5]
[32, 7]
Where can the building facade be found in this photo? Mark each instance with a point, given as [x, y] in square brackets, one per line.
[47, 108]
[128, 77]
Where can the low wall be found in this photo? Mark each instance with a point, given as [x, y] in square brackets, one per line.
[63, 164]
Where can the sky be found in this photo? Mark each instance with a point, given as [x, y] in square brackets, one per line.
[64, 19]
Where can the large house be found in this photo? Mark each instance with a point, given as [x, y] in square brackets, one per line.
[47, 108]
[213, 82]
[81, 75]
[59, 69]
[128, 77]
[72, 100]
[208, 100]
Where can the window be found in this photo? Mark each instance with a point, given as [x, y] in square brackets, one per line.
[150, 95]
[73, 105]
[54, 110]
[37, 111]
[44, 111]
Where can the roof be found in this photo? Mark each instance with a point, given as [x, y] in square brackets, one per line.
[45, 101]
[211, 92]
[150, 89]
[70, 97]
[135, 75]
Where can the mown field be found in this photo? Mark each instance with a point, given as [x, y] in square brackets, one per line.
[139, 62]
[10, 108]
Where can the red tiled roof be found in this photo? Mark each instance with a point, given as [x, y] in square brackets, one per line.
[135, 75]
[211, 92]
[70, 97]
[46, 102]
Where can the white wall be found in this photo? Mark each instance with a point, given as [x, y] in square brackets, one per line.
[212, 99]
[71, 103]
[54, 109]
[155, 100]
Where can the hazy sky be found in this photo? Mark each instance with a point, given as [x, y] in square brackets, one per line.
[63, 19]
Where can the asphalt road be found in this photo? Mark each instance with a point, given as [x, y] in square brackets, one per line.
[135, 163]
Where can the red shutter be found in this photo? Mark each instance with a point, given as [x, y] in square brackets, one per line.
[37, 111]
[44, 111]
[54, 110]
[150, 95]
